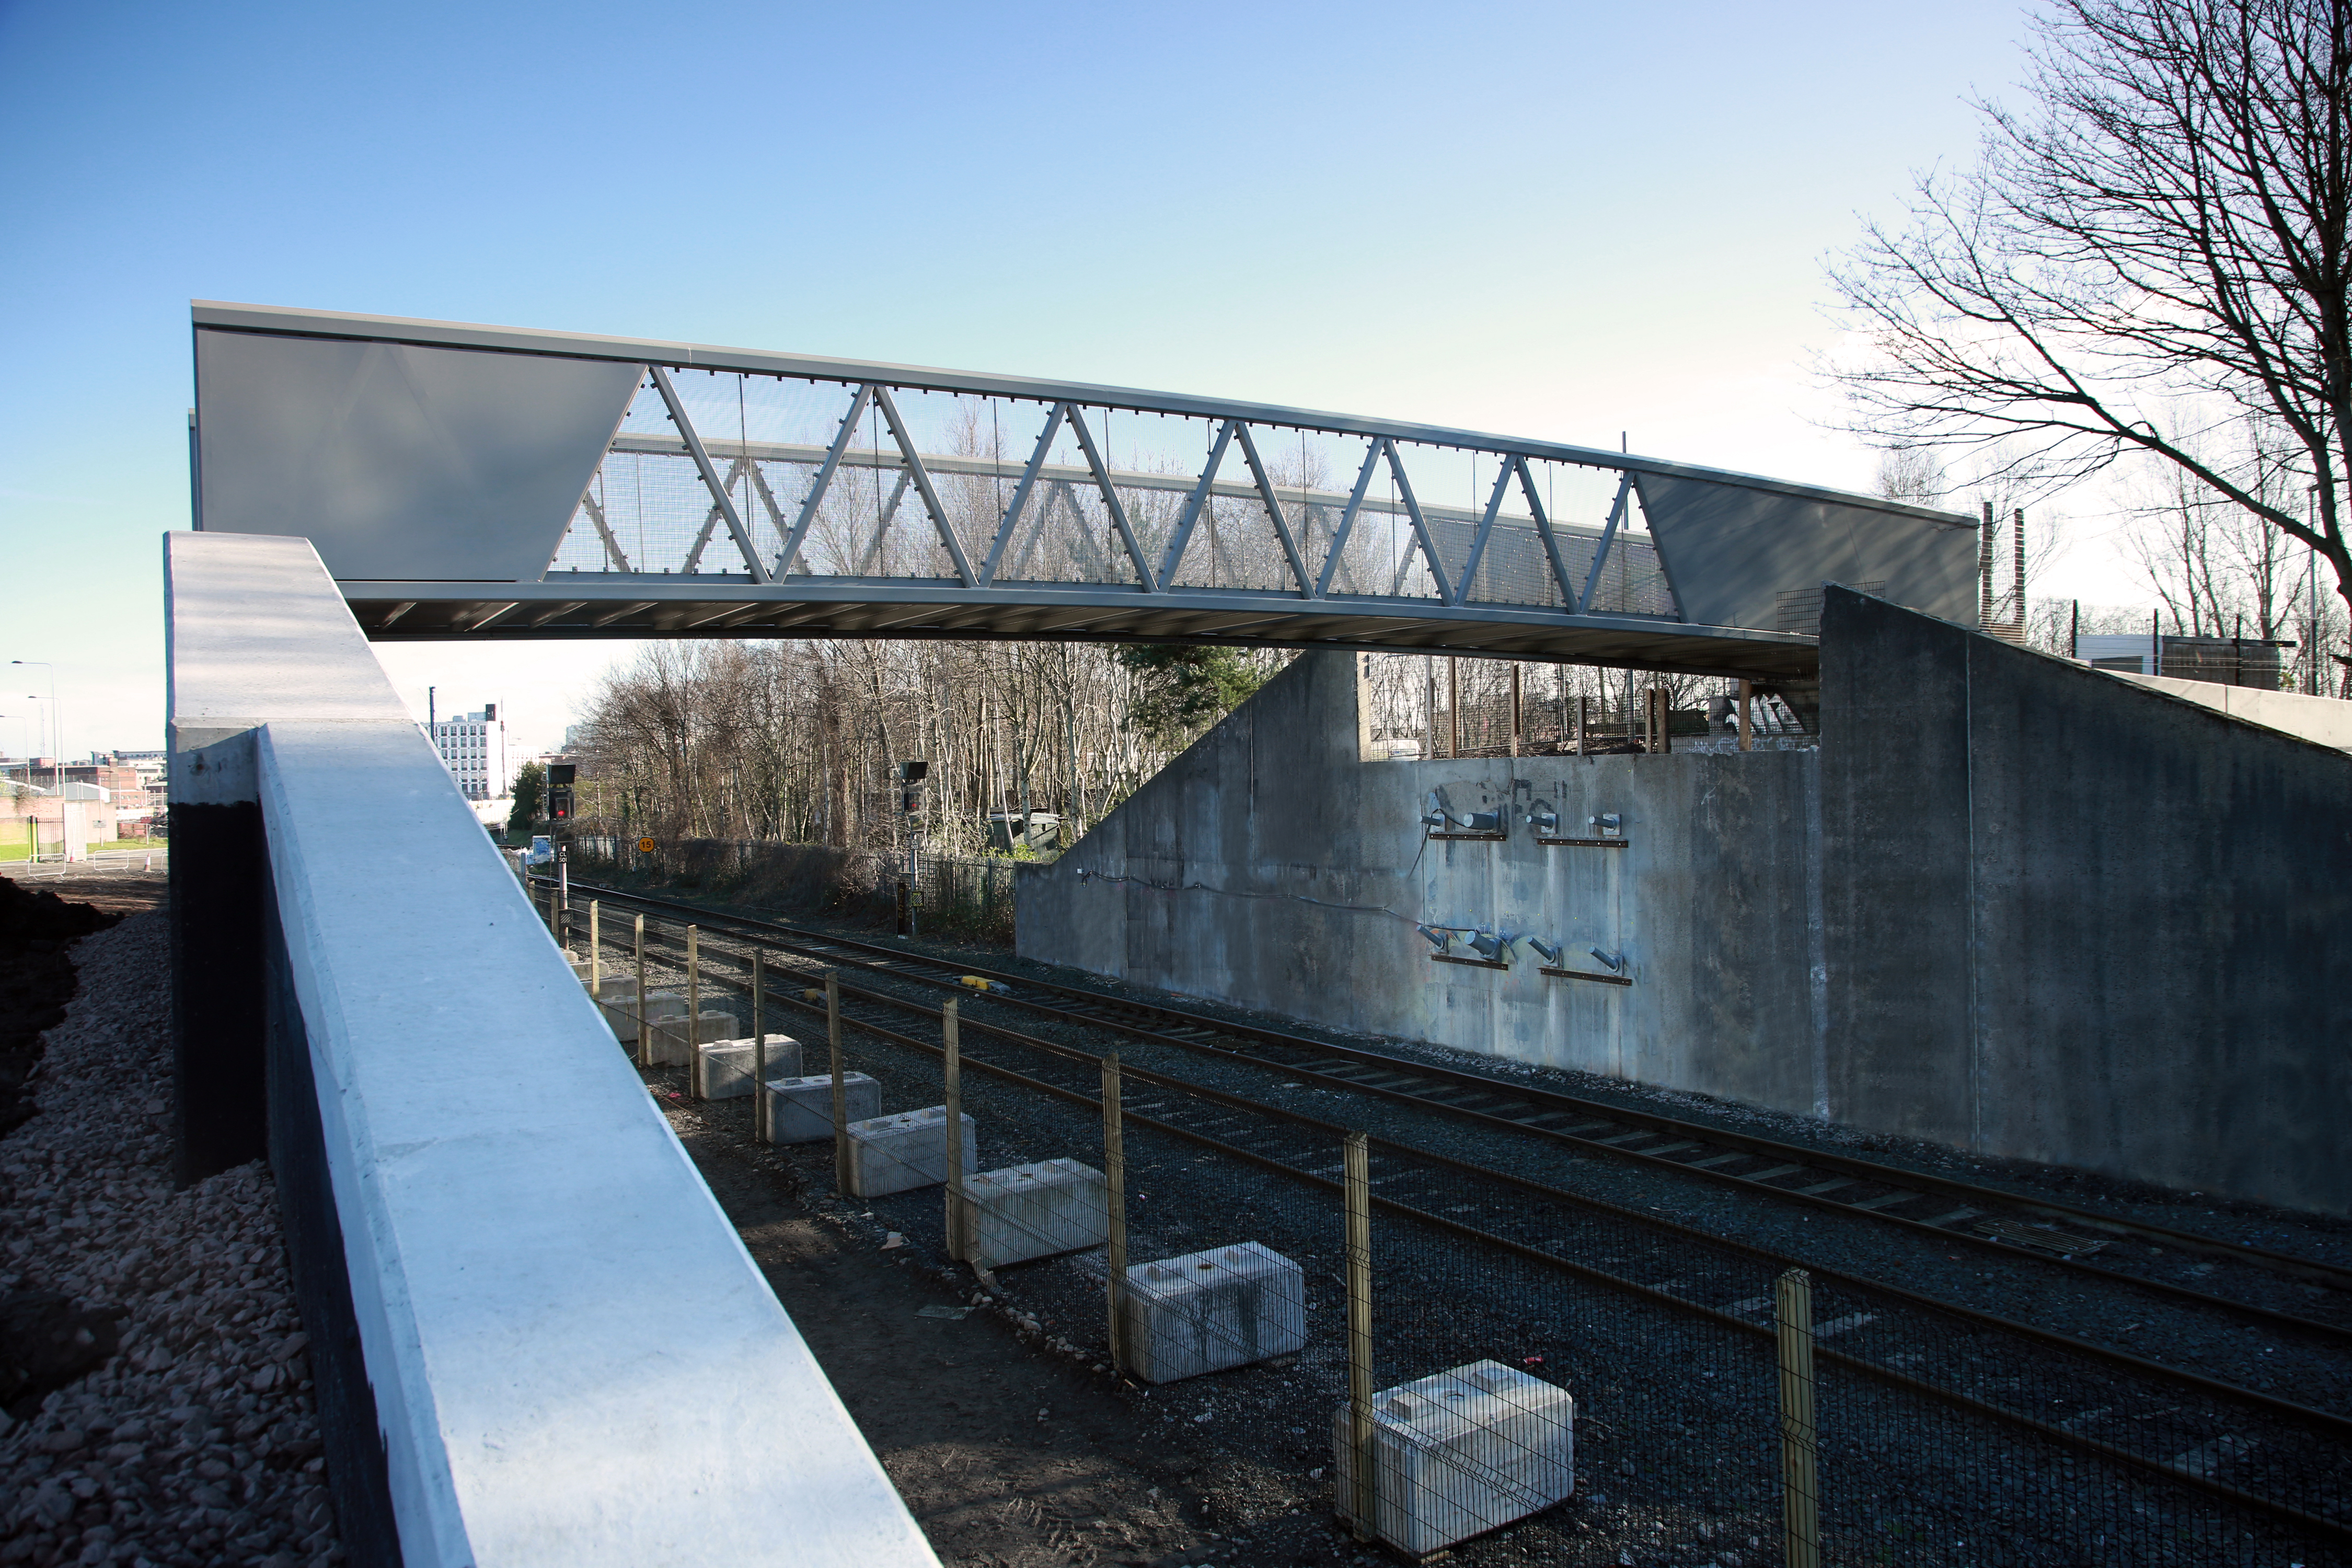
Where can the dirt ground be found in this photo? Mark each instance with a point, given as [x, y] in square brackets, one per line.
[1033, 1459]
[107, 889]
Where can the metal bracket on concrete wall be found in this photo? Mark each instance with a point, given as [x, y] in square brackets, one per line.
[1473, 963]
[1583, 843]
[1585, 974]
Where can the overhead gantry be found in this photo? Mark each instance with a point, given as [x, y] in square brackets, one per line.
[486, 482]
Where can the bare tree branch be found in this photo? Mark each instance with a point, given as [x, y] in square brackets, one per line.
[2167, 227]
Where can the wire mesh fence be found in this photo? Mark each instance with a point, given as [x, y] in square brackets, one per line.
[1425, 706]
[1463, 1352]
[968, 895]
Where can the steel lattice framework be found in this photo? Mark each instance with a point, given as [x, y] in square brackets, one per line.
[465, 481]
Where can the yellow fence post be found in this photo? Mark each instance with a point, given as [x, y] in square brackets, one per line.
[1799, 1447]
[1115, 1201]
[951, 1041]
[840, 1090]
[1363, 1498]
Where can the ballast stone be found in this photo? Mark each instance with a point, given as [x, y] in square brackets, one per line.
[666, 1035]
[1032, 1211]
[800, 1109]
[1458, 1453]
[1208, 1310]
[725, 1068]
[898, 1153]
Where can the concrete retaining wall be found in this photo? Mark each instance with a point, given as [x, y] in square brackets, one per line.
[2074, 920]
[2012, 905]
[1271, 866]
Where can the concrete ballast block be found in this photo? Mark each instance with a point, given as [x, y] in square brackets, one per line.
[726, 1068]
[1465, 1451]
[898, 1153]
[620, 1008]
[617, 1003]
[667, 1034]
[1034, 1210]
[800, 1109]
[1207, 1311]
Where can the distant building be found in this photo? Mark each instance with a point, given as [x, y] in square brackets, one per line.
[131, 794]
[51, 824]
[474, 748]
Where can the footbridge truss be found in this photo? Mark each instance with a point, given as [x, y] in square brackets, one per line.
[482, 482]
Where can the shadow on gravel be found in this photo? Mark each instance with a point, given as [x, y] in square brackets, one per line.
[45, 1343]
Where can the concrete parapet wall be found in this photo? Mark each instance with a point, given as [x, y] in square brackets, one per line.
[506, 1375]
[2010, 904]
[2325, 720]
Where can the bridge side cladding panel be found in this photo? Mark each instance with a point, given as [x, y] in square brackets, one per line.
[1729, 551]
[1275, 807]
[2120, 916]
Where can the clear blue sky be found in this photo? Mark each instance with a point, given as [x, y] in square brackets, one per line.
[1560, 220]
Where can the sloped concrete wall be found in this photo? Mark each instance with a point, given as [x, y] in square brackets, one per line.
[1272, 866]
[2074, 920]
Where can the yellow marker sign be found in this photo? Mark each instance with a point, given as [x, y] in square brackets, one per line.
[644, 845]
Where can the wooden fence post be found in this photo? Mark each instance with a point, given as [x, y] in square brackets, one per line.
[1114, 1200]
[759, 1048]
[951, 1044]
[693, 1015]
[840, 1090]
[1800, 1447]
[1363, 1498]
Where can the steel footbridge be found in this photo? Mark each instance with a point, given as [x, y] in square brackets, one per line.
[463, 481]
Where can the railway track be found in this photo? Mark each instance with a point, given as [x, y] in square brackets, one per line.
[1989, 1220]
[2282, 1457]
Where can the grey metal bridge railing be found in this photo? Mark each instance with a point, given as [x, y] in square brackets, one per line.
[489, 482]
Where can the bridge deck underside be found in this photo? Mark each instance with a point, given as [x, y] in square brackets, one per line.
[710, 607]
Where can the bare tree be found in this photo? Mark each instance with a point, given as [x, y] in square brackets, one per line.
[2167, 228]
[1908, 472]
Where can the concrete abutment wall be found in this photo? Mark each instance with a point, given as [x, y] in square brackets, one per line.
[2011, 905]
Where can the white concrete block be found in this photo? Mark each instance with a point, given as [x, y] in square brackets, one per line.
[1034, 1210]
[727, 1068]
[619, 1007]
[1468, 1450]
[667, 1033]
[898, 1153]
[1207, 1311]
[800, 1109]
[616, 1001]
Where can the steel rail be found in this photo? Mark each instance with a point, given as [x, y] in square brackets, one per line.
[2283, 1512]
[2325, 1421]
[1894, 1176]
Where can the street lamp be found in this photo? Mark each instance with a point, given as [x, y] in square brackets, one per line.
[57, 720]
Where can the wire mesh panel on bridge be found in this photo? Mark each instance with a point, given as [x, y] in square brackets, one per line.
[858, 479]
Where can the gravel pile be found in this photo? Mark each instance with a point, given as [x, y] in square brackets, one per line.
[163, 1411]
